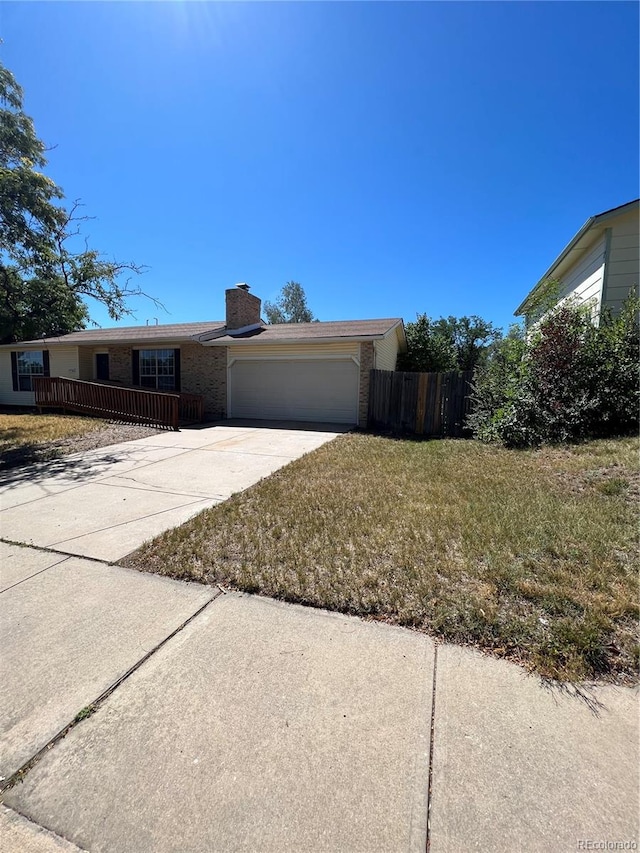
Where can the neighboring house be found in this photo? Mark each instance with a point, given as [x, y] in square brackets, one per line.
[242, 367]
[600, 265]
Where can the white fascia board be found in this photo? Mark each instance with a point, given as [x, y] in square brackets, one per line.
[247, 342]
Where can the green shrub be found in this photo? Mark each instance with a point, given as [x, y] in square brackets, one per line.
[568, 381]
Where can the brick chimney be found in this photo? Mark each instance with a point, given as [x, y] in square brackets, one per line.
[243, 309]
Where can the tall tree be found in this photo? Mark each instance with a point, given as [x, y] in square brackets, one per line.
[44, 279]
[33, 308]
[451, 343]
[290, 306]
[470, 338]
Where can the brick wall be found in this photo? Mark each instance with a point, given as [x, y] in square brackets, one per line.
[366, 366]
[204, 371]
[242, 308]
[120, 367]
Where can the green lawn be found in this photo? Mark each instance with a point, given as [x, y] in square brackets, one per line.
[529, 554]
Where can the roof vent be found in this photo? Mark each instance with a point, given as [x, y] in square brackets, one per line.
[243, 286]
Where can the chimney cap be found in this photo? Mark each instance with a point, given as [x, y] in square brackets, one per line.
[243, 285]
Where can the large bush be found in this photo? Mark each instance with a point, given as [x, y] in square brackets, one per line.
[569, 380]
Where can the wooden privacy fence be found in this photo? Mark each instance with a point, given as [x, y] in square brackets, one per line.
[138, 405]
[430, 404]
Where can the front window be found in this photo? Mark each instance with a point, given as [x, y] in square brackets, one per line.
[158, 369]
[29, 364]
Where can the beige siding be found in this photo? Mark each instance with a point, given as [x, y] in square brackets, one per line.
[386, 352]
[584, 279]
[292, 350]
[9, 397]
[63, 361]
[86, 363]
[623, 267]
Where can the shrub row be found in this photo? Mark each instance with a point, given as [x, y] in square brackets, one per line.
[567, 380]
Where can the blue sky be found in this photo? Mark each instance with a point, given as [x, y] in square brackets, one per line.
[393, 158]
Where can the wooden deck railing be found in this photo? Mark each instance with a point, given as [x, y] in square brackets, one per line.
[107, 400]
[191, 407]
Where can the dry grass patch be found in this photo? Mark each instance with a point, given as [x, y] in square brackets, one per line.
[472, 543]
[29, 428]
[23, 434]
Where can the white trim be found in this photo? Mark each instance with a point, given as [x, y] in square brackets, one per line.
[259, 339]
[338, 356]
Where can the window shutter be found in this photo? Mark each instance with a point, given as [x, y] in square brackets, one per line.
[46, 368]
[14, 370]
[176, 367]
[135, 364]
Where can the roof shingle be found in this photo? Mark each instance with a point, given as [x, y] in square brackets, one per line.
[281, 332]
[213, 332]
[133, 334]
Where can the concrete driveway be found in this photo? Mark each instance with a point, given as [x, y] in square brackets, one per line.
[105, 503]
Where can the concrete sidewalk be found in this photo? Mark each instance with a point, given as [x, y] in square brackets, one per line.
[105, 503]
[273, 727]
[69, 628]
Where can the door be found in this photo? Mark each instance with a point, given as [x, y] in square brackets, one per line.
[324, 390]
[102, 366]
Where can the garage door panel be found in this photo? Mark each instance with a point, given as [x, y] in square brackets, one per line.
[314, 390]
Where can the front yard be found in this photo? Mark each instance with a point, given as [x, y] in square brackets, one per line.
[27, 437]
[531, 555]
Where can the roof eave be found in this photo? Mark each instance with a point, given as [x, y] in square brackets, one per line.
[61, 342]
[259, 339]
[588, 225]
[549, 273]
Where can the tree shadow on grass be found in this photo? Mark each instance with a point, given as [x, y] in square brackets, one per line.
[27, 454]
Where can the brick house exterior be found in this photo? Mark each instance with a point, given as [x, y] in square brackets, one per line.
[240, 366]
[204, 371]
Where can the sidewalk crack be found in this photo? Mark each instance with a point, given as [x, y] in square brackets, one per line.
[431, 744]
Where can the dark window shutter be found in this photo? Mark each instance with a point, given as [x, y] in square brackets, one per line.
[176, 367]
[46, 367]
[14, 370]
[135, 364]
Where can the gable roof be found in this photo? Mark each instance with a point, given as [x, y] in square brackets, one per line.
[577, 245]
[213, 332]
[301, 332]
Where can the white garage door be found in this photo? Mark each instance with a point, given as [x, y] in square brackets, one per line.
[320, 390]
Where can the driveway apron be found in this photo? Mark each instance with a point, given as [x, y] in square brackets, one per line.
[105, 503]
